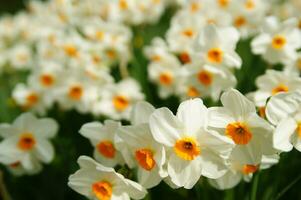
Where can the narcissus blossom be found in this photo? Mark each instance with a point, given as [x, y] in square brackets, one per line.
[97, 182]
[140, 149]
[192, 150]
[284, 111]
[26, 143]
[216, 46]
[238, 120]
[272, 83]
[102, 137]
[278, 41]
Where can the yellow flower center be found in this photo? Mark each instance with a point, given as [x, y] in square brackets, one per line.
[46, 80]
[240, 21]
[111, 54]
[102, 190]
[249, 169]
[187, 148]
[120, 103]
[31, 99]
[26, 142]
[205, 77]
[71, 50]
[278, 42]
[223, 3]
[99, 35]
[156, 58]
[192, 92]
[145, 158]
[239, 133]
[250, 4]
[123, 5]
[76, 92]
[107, 149]
[184, 58]
[166, 79]
[188, 32]
[215, 55]
[280, 88]
[194, 6]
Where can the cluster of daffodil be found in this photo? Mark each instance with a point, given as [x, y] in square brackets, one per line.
[197, 57]
[225, 144]
[70, 57]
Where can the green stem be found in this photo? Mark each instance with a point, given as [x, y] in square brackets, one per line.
[254, 187]
[282, 192]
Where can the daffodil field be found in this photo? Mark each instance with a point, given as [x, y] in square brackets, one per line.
[150, 99]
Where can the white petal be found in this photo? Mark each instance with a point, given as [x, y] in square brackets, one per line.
[193, 114]
[44, 150]
[141, 112]
[237, 103]
[46, 127]
[24, 121]
[135, 190]
[184, 173]
[219, 117]
[229, 180]
[165, 127]
[282, 134]
[149, 179]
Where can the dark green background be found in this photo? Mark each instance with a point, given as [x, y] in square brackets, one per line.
[51, 183]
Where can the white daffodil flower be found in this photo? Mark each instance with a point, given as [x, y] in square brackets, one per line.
[284, 111]
[139, 148]
[216, 46]
[278, 42]
[97, 182]
[102, 137]
[238, 170]
[201, 80]
[238, 120]
[192, 150]
[117, 100]
[274, 82]
[26, 143]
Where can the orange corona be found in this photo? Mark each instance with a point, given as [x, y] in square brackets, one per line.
[102, 190]
[145, 158]
[239, 133]
[107, 149]
[187, 148]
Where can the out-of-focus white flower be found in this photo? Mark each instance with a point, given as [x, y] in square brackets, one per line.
[238, 120]
[201, 80]
[238, 170]
[96, 182]
[284, 111]
[117, 100]
[26, 143]
[139, 148]
[165, 75]
[294, 67]
[183, 31]
[192, 150]
[278, 42]
[102, 137]
[247, 16]
[273, 82]
[216, 47]
[29, 98]
[20, 57]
